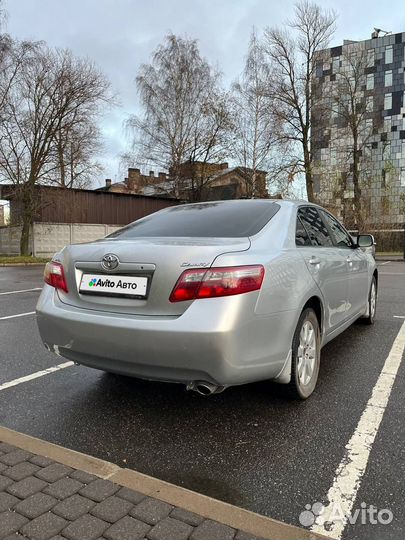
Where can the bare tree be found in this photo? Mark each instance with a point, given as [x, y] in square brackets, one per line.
[291, 53]
[254, 133]
[209, 145]
[350, 105]
[184, 110]
[52, 95]
[12, 55]
[76, 146]
[3, 16]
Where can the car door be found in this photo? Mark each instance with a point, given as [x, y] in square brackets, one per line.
[356, 262]
[327, 265]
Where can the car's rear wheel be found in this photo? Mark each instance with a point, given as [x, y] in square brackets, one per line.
[372, 303]
[305, 357]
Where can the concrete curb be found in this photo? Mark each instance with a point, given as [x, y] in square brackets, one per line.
[205, 506]
[21, 264]
[390, 259]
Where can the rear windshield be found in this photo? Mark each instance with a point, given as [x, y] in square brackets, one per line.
[217, 219]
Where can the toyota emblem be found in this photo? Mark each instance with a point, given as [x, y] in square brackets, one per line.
[110, 261]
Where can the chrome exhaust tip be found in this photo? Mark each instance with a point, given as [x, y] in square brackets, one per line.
[205, 388]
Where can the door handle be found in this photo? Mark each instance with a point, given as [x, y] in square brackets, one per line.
[314, 261]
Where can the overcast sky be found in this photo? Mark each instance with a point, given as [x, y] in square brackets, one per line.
[119, 35]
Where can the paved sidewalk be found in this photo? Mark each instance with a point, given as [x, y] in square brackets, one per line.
[47, 491]
[41, 499]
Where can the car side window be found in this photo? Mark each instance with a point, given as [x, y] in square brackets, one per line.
[340, 236]
[301, 235]
[315, 227]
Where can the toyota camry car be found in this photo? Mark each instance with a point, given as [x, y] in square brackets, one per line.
[211, 295]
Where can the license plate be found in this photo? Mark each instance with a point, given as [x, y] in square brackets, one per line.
[114, 285]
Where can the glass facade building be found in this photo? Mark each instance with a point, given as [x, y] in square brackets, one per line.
[361, 84]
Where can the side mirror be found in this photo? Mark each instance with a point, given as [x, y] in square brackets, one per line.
[365, 240]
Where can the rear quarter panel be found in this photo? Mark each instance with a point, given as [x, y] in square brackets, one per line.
[287, 284]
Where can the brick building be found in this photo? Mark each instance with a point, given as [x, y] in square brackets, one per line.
[212, 181]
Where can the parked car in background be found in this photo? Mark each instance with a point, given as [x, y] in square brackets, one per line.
[211, 295]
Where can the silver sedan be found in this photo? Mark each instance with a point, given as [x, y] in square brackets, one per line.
[211, 295]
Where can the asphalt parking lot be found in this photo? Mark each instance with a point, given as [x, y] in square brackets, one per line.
[249, 446]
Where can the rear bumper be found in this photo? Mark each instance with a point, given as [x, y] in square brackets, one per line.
[219, 340]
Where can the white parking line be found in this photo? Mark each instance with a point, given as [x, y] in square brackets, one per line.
[35, 375]
[19, 315]
[384, 263]
[21, 291]
[399, 316]
[342, 495]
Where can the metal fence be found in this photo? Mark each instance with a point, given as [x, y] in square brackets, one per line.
[58, 205]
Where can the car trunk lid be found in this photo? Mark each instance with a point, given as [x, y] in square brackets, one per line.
[160, 260]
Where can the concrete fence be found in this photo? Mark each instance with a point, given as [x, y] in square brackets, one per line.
[48, 238]
[387, 240]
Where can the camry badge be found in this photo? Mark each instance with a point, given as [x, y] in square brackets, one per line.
[200, 264]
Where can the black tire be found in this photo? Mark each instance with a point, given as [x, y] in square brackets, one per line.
[297, 388]
[370, 318]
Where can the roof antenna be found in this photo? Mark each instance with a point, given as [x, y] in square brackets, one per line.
[377, 32]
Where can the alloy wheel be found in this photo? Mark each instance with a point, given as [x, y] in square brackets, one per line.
[306, 353]
[373, 299]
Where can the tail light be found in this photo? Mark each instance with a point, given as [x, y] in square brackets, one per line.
[214, 282]
[54, 275]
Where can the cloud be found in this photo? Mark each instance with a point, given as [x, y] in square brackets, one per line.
[119, 35]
